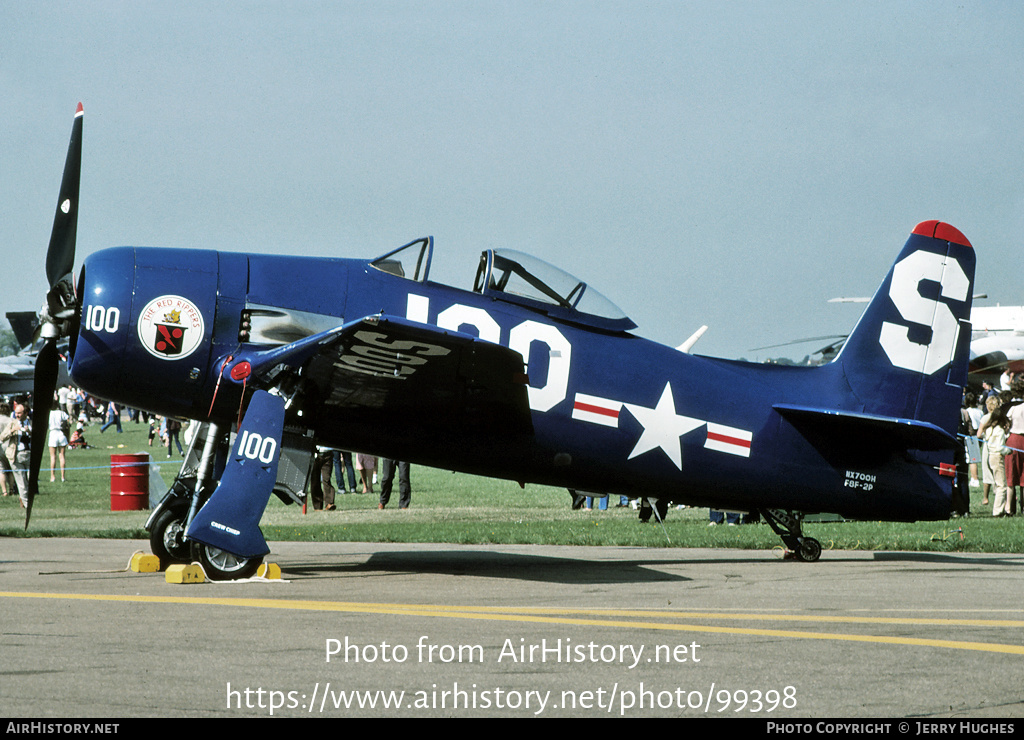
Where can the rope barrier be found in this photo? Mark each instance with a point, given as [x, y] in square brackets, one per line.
[126, 568]
[107, 467]
[965, 437]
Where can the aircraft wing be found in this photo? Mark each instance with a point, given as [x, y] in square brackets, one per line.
[384, 370]
[12, 383]
[381, 374]
[10, 367]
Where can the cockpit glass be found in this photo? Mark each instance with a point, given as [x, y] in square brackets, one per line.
[517, 274]
[411, 261]
[516, 277]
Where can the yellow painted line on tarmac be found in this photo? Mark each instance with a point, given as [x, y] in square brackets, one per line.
[630, 619]
[756, 616]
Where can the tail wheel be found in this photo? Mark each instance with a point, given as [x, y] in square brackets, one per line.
[809, 550]
[221, 565]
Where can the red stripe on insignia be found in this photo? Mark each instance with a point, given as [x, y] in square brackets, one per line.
[580, 406]
[739, 442]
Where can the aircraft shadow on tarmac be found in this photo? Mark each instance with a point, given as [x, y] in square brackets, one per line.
[481, 564]
[940, 558]
[577, 571]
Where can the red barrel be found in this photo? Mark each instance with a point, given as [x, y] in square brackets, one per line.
[129, 482]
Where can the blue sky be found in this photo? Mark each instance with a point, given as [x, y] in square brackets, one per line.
[730, 164]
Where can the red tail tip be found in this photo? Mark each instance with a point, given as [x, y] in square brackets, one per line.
[942, 230]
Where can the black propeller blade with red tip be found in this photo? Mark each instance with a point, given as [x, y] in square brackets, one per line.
[61, 305]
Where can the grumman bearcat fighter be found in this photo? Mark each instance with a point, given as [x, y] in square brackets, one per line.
[530, 376]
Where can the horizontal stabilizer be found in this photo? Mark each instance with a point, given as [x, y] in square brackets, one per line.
[230, 519]
[887, 430]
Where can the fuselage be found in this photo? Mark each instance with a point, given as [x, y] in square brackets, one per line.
[611, 412]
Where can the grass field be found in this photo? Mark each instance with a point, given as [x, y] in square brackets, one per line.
[456, 508]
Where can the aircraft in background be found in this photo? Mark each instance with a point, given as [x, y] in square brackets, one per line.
[997, 342]
[18, 370]
[531, 375]
[820, 356]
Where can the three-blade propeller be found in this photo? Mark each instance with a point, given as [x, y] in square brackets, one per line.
[61, 307]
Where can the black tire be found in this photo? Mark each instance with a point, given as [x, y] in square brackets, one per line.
[809, 551]
[167, 538]
[221, 565]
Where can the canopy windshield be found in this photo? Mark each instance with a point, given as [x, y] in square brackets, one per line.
[411, 261]
[512, 276]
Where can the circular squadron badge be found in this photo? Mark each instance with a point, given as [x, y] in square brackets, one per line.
[171, 327]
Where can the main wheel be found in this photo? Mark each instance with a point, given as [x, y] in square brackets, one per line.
[167, 538]
[809, 550]
[221, 565]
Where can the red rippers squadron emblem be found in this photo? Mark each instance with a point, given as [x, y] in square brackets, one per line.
[171, 327]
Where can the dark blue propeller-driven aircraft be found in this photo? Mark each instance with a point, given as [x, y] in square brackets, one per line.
[530, 376]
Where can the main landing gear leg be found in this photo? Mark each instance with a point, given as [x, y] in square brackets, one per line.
[169, 520]
[787, 525]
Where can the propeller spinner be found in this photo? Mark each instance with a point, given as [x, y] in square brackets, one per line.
[61, 307]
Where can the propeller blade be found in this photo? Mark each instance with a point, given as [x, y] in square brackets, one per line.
[60, 257]
[43, 386]
[61, 304]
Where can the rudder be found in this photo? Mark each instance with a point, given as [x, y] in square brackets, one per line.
[907, 356]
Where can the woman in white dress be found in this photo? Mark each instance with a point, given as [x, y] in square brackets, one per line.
[994, 428]
[58, 438]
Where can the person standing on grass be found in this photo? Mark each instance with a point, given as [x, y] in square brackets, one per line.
[58, 438]
[1015, 442]
[6, 481]
[367, 467]
[387, 480]
[173, 430]
[16, 437]
[994, 429]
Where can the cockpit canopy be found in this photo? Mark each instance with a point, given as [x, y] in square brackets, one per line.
[508, 275]
[515, 277]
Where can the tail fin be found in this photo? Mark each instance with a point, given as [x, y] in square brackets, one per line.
[907, 357]
[23, 324]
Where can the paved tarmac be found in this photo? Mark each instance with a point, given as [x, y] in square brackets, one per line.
[513, 631]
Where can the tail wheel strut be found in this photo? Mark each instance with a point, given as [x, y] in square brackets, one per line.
[787, 524]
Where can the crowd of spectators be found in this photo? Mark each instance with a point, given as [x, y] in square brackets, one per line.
[992, 423]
